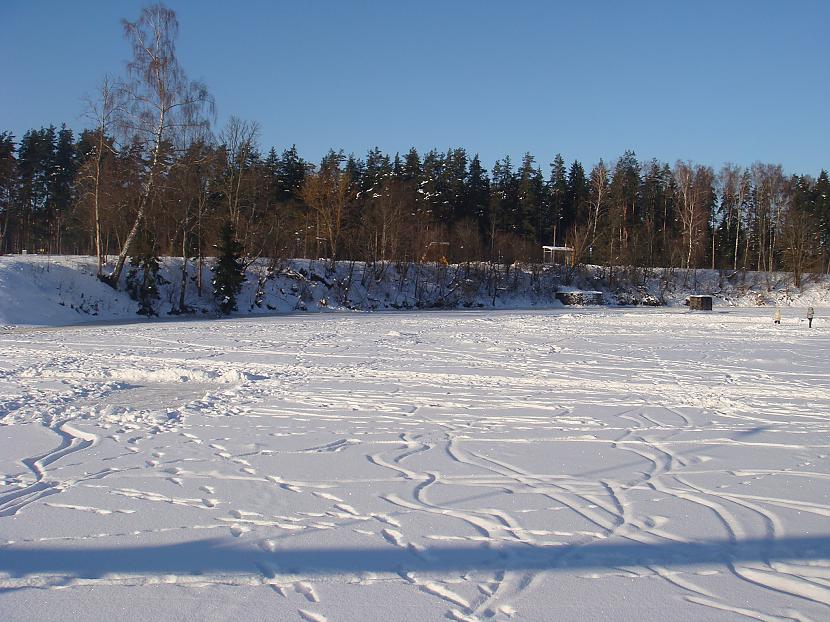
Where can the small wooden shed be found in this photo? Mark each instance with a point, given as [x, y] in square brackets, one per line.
[700, 302]
[549, 254]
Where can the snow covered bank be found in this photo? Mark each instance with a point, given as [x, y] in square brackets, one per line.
[51, 291]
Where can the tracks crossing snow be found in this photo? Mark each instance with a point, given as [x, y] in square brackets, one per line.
[500, 436]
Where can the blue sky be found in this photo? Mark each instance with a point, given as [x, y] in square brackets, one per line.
[708, 81]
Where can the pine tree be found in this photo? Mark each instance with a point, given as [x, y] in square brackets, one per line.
[229, 272]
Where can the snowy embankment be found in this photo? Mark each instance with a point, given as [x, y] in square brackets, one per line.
[635, 465]
[51, 291]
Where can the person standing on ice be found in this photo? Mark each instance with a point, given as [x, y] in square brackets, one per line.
[777, 317]
[810, 314]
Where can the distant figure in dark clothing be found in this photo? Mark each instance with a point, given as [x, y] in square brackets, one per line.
[810, 314]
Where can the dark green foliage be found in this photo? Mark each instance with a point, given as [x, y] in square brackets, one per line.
[143, 278]
[560, 216]
[376, 169]
[289, 171]
[531, 219]
[578, 194]
[454, 190]
[411, 165]
[430, 187]
[503, 197]
[229, 271]
[61, 187]
[8, 188]
[821, 208]
[478, 193]
[35, 157]
[402, 207]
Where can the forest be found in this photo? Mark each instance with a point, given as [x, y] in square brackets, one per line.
[151, 177]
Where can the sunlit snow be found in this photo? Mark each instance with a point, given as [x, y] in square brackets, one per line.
[481, 465]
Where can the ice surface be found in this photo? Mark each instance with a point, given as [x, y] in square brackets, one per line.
[550, 465]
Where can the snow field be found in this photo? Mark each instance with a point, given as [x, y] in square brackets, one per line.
[555, 465]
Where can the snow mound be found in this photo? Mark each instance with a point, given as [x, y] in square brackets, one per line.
[130, 375]
[177, 374]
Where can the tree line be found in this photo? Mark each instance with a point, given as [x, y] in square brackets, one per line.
[149, 178]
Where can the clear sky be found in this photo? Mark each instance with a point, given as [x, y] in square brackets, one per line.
[710, 81]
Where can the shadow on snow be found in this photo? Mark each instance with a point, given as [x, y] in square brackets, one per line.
[226, 557]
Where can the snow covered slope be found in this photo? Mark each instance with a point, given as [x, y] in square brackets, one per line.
[50, 291]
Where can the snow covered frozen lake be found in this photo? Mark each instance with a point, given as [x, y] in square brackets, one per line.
[548, 465]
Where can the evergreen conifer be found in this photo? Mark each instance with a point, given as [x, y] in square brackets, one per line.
[145, 288]
[229, 272]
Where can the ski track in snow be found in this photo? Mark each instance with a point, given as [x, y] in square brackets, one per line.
[502, 432]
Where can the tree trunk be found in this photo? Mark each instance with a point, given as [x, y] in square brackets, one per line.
[113, 278]
[737, 237]
[95, 200]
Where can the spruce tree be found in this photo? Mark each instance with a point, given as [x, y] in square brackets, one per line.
[821, 210]
[145, 288]
[577, 196]
[622, 195]
[411, 165]
[397, 167]
[430, 187]
[454, 191]
[35, 158]
[61, 185]
[503, 197]
[478, 192]
[530, 215]
[8, 189]
[560, 217]
[229, 272]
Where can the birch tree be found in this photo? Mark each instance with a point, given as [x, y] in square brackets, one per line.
[238, 142]
[694, 188]
[770, 200]
[160, 102]
[93, 176]
[735, 189]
